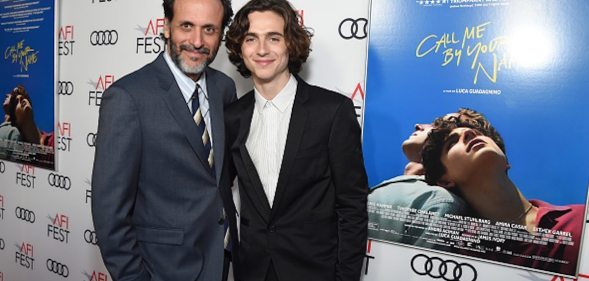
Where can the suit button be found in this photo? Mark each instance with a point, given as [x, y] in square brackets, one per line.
[272, 228]
[221, 221]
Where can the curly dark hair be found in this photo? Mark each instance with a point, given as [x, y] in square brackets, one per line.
[475, 118]
[432, 150]
[10, 110]
[227, 11]
[298, 38]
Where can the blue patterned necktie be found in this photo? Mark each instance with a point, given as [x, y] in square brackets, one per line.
[202, 130]
[202, 127]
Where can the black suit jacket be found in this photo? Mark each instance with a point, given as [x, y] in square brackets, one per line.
[317, 227]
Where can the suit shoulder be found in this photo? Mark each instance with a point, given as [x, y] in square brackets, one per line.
[326, 95]
[238, 107]
[224, 83]
[216, 74]
[146, 76]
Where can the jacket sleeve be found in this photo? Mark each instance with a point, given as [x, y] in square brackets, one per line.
[351, 184]
[114, 185]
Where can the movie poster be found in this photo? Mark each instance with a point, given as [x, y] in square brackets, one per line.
[27, 39]
[509, 186]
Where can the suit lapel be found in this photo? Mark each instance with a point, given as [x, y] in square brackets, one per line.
[177, 106]
[257, 191]
[217, 122]
[296, 130]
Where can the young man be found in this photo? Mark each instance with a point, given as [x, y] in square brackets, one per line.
[156, 207]
[19, 124]
[410, 190]
[297, 154]
[467, 158]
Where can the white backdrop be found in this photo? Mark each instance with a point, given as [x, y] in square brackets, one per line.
[60, 234]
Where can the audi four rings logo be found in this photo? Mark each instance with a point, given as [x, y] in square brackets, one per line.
[448, 270]
[57, 268]
[104, 37]
[59, 181]
[24, 214]
[91, 139]
[65, 88]
[2, 244]
[353, 28]
[90, 237]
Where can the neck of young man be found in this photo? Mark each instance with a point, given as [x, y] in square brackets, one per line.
[269, 88]
[30, 132]
[414, 168]
[500, 200]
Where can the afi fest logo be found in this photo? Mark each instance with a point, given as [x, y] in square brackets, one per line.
[26, 176]
[64, 138]
[150, 41]
[357, 96]
[59, 228]
[100, 1]
[358, 92]
[88, 191]
[560, 278]
[24, 255]
[301, 17]
[368, 256]
[1, 207]
[66, 40]
[96, 276]
[104, 81]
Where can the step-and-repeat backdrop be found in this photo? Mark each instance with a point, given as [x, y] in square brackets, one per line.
[46, 230]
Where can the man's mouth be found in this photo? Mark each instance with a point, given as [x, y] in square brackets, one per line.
[475, 144]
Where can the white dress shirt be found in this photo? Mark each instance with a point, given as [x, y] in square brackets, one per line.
[267, 136]
[187, 87]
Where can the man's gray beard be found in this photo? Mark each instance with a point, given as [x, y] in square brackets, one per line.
[197, 69]
[181, 64]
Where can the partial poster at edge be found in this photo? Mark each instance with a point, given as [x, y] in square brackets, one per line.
[28, 41]
[523, 65]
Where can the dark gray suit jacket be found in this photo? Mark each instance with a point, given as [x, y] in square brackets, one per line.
[156, 206]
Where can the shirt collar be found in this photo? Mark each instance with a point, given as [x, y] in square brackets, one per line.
[283, 99]
[401, 178]
[185, 83]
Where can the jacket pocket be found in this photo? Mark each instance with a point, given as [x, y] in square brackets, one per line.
[170, 236]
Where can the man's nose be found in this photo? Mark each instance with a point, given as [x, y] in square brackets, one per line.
[196, 38]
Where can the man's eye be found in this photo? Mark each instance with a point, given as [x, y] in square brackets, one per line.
[210, 30]
[450, 142]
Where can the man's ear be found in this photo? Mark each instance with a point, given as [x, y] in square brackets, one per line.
[445, 182]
